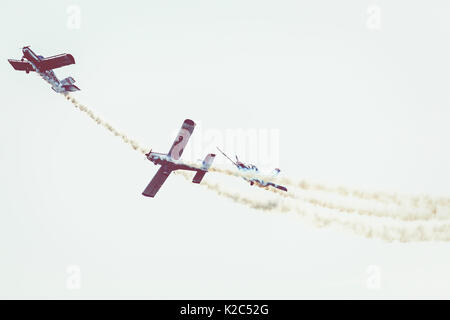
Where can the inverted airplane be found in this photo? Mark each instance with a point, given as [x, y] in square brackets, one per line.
[170, 162]
[252, 168]
[44, 66]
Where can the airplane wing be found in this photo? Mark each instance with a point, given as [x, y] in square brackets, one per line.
[21, 65]
[157, 181]
[54, 62]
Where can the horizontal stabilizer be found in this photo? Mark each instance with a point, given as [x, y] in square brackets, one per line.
[71, 88]
[68, 85]
[67, 81]
[157, 181]
[199, 176]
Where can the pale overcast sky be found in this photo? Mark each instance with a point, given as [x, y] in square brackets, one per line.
[347, 92]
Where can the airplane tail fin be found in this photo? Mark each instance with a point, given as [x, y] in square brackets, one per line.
[68, 84]
[67, 81]
[206, 165]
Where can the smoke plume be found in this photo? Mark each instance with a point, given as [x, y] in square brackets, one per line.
[382, 215]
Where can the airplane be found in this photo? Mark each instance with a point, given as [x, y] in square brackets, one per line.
[170, 162]
[252, 168]
[44, 66]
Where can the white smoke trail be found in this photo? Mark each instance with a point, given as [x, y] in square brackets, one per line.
[385, 229]
[105, 124]
[396, 206]
[407, 208]
[418, 201]
[418, 207]
[367, 207]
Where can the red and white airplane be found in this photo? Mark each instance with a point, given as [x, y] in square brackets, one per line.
[254, 169]
[170, 162]
[44, 66]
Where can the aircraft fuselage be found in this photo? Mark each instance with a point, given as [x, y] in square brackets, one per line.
[48, 75]
[167, 161]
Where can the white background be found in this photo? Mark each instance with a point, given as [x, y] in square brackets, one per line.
[353, 106]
